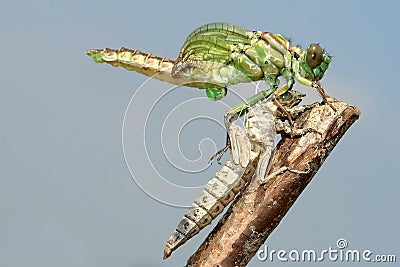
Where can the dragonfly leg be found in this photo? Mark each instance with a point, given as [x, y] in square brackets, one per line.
[239, 144]
[280, 92]
[283, 109]
[284, 128]
[281, 170]
[242, 108]
[220, 153]
[317, 85]
[295, 112]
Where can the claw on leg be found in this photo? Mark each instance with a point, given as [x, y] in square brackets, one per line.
[222, 151]
[317, 85]
[219, 154]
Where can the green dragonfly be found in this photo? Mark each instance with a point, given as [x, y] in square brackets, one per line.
[217, 55]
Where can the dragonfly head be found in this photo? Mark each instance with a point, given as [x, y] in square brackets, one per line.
[312, 63]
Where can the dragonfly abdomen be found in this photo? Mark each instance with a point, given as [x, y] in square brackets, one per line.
[164, 69]
[217, 194]
[136, 60]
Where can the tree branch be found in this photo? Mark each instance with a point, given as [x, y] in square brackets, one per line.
[258, 210]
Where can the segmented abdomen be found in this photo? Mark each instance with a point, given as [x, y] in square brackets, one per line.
[198, 74]
[135, 60]
[217, 194]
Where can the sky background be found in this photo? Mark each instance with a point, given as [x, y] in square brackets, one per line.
[67, 197]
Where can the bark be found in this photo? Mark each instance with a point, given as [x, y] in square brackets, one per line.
[257, 211]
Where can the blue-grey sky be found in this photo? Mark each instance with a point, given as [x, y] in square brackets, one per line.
[67, 197]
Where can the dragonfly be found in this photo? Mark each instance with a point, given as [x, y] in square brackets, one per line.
[217, 55]
[251, 151]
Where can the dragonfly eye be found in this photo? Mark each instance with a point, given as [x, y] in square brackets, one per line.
[314, 55]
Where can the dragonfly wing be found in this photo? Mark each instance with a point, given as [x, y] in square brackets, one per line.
[240, 145]
[211, 43]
